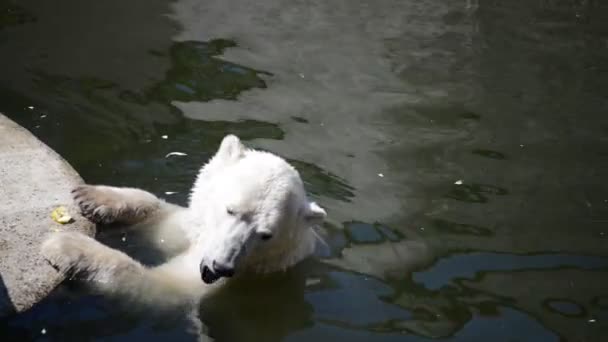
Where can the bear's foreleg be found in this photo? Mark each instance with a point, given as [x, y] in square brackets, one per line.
[77, 255]
[113, 272]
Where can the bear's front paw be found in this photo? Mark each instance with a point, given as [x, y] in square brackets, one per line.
[66, 252]
[95, 204]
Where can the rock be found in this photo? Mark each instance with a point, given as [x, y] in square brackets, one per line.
[34, 180]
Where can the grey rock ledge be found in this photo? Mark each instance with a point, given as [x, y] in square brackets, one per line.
[34, 180]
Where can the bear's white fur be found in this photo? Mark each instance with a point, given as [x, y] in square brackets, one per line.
[248, 213]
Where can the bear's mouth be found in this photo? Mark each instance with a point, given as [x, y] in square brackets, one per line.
[208, 276]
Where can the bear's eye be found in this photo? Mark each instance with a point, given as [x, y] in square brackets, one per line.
[265, 236]
[230, 211]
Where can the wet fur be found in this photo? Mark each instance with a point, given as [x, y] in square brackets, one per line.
[184, 238]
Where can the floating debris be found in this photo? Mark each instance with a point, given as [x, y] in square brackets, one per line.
[312, 281]
[60, 215]
[124, 239]
[179, 154]
[165, 137]
[170, 192]
[30, 107]
[458, 182]
[43, 116]
[43, 331]
[591, 320]
[380, 175]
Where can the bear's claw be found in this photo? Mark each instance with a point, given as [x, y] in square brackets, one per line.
[96, 204]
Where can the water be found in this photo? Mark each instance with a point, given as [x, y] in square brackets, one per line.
[460, 148]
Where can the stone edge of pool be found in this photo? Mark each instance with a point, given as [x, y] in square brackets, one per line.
[34, 180]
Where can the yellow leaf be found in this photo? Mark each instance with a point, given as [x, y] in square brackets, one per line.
[60, 215]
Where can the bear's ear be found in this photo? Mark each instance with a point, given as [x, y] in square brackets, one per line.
[314, 214]
[231, 148]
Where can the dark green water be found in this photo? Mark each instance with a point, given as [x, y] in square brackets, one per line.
[460, 148]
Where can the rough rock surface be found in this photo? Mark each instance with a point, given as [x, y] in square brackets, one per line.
[33, 181]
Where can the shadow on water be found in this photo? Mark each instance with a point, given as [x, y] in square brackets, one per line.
[6, 305]
[458, 147]
[245, 306]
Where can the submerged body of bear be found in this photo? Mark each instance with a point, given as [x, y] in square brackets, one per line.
[248, 213]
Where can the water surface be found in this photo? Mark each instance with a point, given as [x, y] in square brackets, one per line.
[460, 148]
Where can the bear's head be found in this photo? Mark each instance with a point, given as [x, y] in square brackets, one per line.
[251, 213]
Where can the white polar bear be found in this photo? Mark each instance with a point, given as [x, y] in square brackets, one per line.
[248, 213]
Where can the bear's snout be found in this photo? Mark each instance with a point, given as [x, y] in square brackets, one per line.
[218, 270]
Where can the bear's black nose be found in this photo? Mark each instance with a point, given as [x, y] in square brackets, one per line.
[223, 269]
[208, 276]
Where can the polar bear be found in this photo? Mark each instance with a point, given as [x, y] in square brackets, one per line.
[248, 213]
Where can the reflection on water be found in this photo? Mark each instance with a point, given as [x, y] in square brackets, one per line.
[475, 193]
[565, 307]
[197, 74]
[469, 265]
[459, 147]
[447, 227]
[494, 328]
[489, 154]
[12, 14]
[360, 232]
[323, 183]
